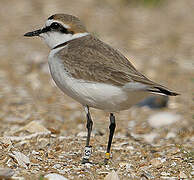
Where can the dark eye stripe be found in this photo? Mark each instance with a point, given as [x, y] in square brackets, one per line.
[57, 27]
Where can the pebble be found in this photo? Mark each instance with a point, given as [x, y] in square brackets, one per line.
[6, 173]
[112, 176]
[170, 135]
[182, 175]
[156, 162]
[35, 152]
[88, 165]
[21, 159]
[165, 174]
[57, 166]
[17, 178]
[169, 178]
[54, 176]
[130, 148]
[35, 127]
[147, 175]
[5, 140]
[131, 124]
[174, 150]
[150, 137]
[43, 142]
[63, 171]
[21, 143]
[123, 164]
[173, 164]
[163, 119]
[82, 134]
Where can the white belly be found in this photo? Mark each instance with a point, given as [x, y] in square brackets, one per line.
[98, 95]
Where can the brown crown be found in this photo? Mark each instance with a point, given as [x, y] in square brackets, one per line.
[75, 24]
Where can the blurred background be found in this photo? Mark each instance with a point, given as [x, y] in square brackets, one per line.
[156, 35]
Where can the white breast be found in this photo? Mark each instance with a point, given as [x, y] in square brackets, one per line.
[98, 95]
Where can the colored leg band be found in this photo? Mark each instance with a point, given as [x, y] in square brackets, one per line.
[87, 152]
[107, 155]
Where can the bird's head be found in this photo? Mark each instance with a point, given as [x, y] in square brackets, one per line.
[60, 28]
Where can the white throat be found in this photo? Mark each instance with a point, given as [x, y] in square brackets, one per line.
[52, 39]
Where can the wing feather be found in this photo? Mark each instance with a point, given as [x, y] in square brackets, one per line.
[94, 60]
[90, 59]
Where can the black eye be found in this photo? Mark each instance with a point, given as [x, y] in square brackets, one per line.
[58, 27]
[55, 25]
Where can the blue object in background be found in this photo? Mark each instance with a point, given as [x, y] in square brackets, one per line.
[154, 102]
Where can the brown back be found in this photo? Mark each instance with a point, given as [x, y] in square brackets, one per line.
[90, 59]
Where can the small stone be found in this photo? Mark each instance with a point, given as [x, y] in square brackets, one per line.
[150, 137]
[156, 162]
[35, 152]
[169, 177]
[43, 142]
[35, 127]
[82, 134]
[6, 173]
[147, 175]
[6, 142]
[123, 164]
[131, 124]
[165, 174]
[88, 165]
[182, 175]
[112, 176]
[64, 171]
[53, 130]
[173, 164]
[174, 151]
[21, 159]
[21, 143]
[18, 178]
[170, 135]
[57, 148]
[57, 166]
[50, 155]
[54, 176]
[163, 119]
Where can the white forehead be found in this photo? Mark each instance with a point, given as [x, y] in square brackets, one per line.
[50, 21]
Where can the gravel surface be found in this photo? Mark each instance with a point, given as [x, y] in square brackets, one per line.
[42, 131]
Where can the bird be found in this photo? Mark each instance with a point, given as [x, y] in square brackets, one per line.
[93, 73]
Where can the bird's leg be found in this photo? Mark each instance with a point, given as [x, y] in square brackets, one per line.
[88, 148]
[112, 130]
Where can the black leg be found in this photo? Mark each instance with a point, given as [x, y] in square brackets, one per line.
[112, 130]
[88, 148]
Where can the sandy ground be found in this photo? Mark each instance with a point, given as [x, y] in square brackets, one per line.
[48, 128]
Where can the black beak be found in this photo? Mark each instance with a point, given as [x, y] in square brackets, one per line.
[37, 32]
[34, 33]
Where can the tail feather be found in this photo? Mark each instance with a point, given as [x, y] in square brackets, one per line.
[163, 91]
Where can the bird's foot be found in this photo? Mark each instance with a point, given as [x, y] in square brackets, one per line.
[106, 161]
[84, 161]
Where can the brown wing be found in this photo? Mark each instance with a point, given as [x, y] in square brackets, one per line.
[90, 59]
